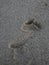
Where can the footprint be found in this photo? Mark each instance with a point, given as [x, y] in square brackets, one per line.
[28, 26]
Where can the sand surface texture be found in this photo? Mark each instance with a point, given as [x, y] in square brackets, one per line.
[35, 48]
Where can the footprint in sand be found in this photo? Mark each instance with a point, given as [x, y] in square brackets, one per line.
[28, 26]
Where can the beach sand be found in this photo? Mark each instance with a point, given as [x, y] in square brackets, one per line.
[35, 51]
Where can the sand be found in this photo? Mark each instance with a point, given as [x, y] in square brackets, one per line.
[35, 51]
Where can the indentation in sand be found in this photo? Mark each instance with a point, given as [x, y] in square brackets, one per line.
[30, 25]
